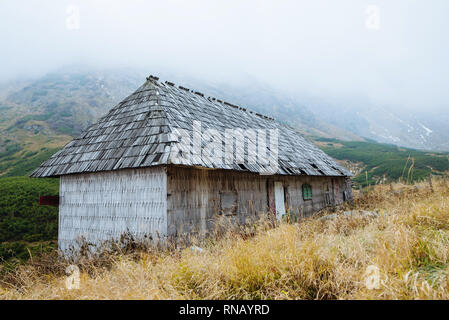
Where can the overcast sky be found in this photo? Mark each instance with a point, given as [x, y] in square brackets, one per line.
[392, 52]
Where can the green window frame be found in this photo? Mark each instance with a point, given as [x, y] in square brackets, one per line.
[307, 192]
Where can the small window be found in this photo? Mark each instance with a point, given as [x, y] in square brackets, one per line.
[228, 203]
[307, 192]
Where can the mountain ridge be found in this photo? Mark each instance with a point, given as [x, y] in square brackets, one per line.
[45, 113]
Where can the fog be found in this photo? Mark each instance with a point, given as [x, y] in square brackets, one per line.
[390, 52]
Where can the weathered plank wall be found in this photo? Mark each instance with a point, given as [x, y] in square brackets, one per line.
[103, 206]
[171, 201]
[325, 191]
[196, 196]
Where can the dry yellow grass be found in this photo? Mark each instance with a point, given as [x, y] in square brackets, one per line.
[314, 259]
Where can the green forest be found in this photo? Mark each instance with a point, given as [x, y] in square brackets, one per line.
[385, 161]
[25, 227]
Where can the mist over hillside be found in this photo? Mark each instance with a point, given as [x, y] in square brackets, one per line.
[71, 99]
[419, 129]
[66, 101]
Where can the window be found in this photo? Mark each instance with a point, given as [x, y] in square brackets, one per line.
[307, 192]
[228, 203]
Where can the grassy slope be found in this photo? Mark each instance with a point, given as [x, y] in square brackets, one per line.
[26, 140]
[408, 246]
[19, 195]
[39, 116]
[378, 159]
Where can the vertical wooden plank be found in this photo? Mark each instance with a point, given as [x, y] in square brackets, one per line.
[102, 206]
[271, 198]
[279, 199]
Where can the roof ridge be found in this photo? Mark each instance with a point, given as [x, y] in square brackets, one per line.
[210, 98]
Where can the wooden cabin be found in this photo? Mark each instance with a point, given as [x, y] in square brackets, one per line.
[130, 172]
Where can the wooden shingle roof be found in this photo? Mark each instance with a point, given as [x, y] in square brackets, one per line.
[138, 133]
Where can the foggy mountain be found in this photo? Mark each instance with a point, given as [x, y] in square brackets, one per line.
[419, 129]
[66, 101]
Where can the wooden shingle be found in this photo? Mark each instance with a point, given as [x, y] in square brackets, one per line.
[136, 134]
